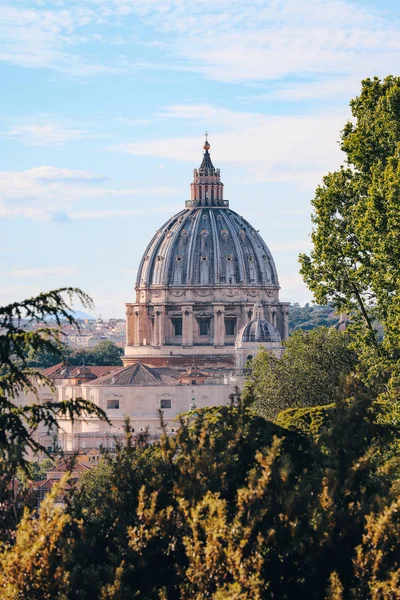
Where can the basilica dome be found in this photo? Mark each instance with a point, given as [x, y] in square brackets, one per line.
[207, 245]
[197, 283]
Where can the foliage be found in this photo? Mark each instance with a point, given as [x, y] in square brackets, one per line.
[309, 420]
[104, 353]
[33, 569]
[38, 470]
[356, 252]
[311, 316]
[232, 507]
[308, 374]
[18, 424]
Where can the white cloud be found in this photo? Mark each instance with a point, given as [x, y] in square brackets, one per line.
[38, 37]
[298, 148]
[224, 40]
[39, 272]
[47, 135]
[50, 193]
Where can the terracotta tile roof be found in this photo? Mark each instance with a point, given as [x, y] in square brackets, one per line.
[99, 371]
[63, 466]
[139, 374]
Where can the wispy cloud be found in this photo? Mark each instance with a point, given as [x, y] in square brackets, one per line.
[47, 135]
[263, 41]
[48, 192]
[298, 148]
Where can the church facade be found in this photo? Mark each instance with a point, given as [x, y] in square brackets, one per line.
[198, 281]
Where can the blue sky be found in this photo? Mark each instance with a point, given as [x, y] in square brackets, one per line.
[103, 108]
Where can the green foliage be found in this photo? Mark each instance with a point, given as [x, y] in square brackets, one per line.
[309, 420]
[18, 424]
[38, 470]
[355, 258]
[308, 374]
[232, 507]
[104, 353]
[311, 316]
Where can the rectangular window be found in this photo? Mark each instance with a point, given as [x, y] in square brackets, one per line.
[204, 327]
[177, 324]
[113, 403]
[165, 403]
[230, 326]
[194, 382]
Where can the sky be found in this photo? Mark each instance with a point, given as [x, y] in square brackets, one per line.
[103, 109]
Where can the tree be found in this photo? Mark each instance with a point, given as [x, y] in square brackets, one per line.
[231, 507]
[355, 256]
[308, 374]
[18, 424]
[104, 353]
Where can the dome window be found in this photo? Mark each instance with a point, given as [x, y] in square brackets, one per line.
[251, 259]
[229, 258]
[179, 259]
[204, 258]
[159, 257]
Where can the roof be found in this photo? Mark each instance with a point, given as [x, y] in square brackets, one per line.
[207, 246]
[206, 167]
[139, 374]
[257, 331]
[194, 371]
[54, 372]
[64, 466]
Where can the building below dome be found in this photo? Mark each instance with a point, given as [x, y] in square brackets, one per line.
[198, 281]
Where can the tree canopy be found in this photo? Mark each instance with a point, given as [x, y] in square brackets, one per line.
[18, 424]
[309, 373]
[355, 258]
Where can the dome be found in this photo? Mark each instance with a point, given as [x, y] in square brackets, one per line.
[207, 245]
[198, 279]
[257, 331]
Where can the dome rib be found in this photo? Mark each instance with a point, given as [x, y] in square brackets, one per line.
[257, 331]
[174, 257]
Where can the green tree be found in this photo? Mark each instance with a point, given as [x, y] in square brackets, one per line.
[308, 374]
[104, 353]
[231, 507]
[355, 258]
[18, 339]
